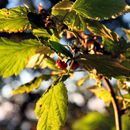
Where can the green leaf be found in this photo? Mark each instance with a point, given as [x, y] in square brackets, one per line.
[75, 21]
[62, 8]
[104, 65]
[94, 121]
[51, 109]
[126, 96]
[97, 10]
[41, 33]
[54, 38]
[63, 12]
[42, 61]
[126, 63]
[50, 63]
[59, 48]
[14, 56]
[14, 20]
[28, 87]
[100, 9]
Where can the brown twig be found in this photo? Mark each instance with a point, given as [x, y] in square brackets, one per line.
[116, 108]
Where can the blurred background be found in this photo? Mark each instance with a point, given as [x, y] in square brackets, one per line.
[86, 112]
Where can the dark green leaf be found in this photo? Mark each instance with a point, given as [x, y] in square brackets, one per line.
[100, 9]
[104, 65]
[126, 63]
[59, 48]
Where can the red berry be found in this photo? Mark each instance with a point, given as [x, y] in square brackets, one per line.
[61, 64]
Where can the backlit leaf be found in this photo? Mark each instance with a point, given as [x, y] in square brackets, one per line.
[100, 9]
[97, 10]
[42, 61]
[14, 20]
[41, 33]
[28, 87]
[94, 121]
[51, 109]
[63, 11]
[62, 8]
[101, 93]
[14, 56]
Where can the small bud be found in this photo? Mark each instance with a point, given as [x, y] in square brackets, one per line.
[69, 35]
[40, 7]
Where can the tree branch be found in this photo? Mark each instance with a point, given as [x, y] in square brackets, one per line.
[116, 108]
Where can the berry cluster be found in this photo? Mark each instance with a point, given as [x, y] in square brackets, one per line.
[63, 65]
[86, 43]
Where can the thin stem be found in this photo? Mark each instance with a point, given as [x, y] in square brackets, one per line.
[116, 108]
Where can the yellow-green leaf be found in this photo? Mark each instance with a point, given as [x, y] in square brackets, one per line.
[41, 33]
[28, 87]
[101, 93]
[51, 109]
[14, 56]
[14, 20]
[81, 81]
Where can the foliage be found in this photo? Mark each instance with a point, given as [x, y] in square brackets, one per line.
[98, 121]
[28, 87]
[100, 51]
[51, 108]
[94, 121]
[15, 16]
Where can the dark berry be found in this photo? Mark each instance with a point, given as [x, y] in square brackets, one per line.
[63, 27]
[49, 23]
[75, 65]
[98, 39]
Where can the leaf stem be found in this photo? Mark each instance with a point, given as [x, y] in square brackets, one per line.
[116, 108]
